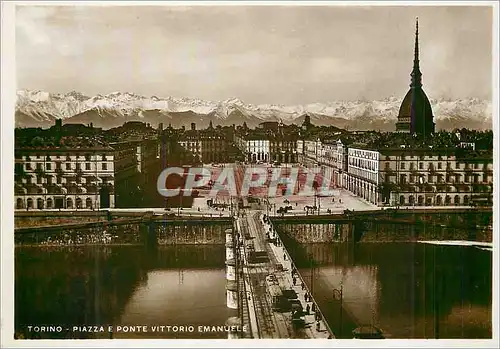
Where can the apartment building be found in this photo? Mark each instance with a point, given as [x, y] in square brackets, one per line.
[435, 177]
[65, 178]
[363, 173]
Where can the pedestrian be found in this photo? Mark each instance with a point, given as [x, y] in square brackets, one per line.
[302, 284]
[313, 307]
[307, 309]
[318, 326]
[294, 281]
[284, 256]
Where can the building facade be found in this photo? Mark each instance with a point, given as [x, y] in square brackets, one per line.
[205, 146]
[64, 178]
[435, 178]
[363, 173]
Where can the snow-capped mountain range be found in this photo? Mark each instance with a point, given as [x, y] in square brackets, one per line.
[39, 108]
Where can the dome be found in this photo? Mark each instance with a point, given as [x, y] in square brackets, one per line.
[417, 101]
[415, 112]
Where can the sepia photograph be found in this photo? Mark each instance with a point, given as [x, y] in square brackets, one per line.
[315, 171]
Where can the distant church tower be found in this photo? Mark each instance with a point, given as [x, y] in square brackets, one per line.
[415, 113]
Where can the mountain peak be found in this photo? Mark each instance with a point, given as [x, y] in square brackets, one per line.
[363, 114]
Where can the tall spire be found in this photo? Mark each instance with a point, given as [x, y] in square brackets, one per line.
[416, 75]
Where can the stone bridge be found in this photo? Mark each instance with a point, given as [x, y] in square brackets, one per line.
[390, 225]
[149, 230]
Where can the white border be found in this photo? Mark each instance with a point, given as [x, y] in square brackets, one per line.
[8, 98]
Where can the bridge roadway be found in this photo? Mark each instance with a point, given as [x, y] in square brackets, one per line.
[258, 312]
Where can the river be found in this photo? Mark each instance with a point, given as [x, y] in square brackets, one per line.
[408, 290]
[120, 286]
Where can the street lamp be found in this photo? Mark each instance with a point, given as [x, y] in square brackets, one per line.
[338, 295]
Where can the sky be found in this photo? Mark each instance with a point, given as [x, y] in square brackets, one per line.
[260, 54]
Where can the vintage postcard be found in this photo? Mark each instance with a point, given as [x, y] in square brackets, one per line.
[244, 173]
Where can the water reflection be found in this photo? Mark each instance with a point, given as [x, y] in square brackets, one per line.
[409, 290]
[75, 286]
[178, 298]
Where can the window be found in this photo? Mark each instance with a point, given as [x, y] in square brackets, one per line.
[476, 166]
[49, 166]
[68, 166]
[403, 165]
[49, 180]
[420, 200]
[439, 166]
[87, 166]
[38, 179]
[420, 165]
[59, 179]
[439, 200]
[104, 166]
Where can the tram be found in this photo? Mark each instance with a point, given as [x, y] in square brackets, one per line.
[276, 298]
